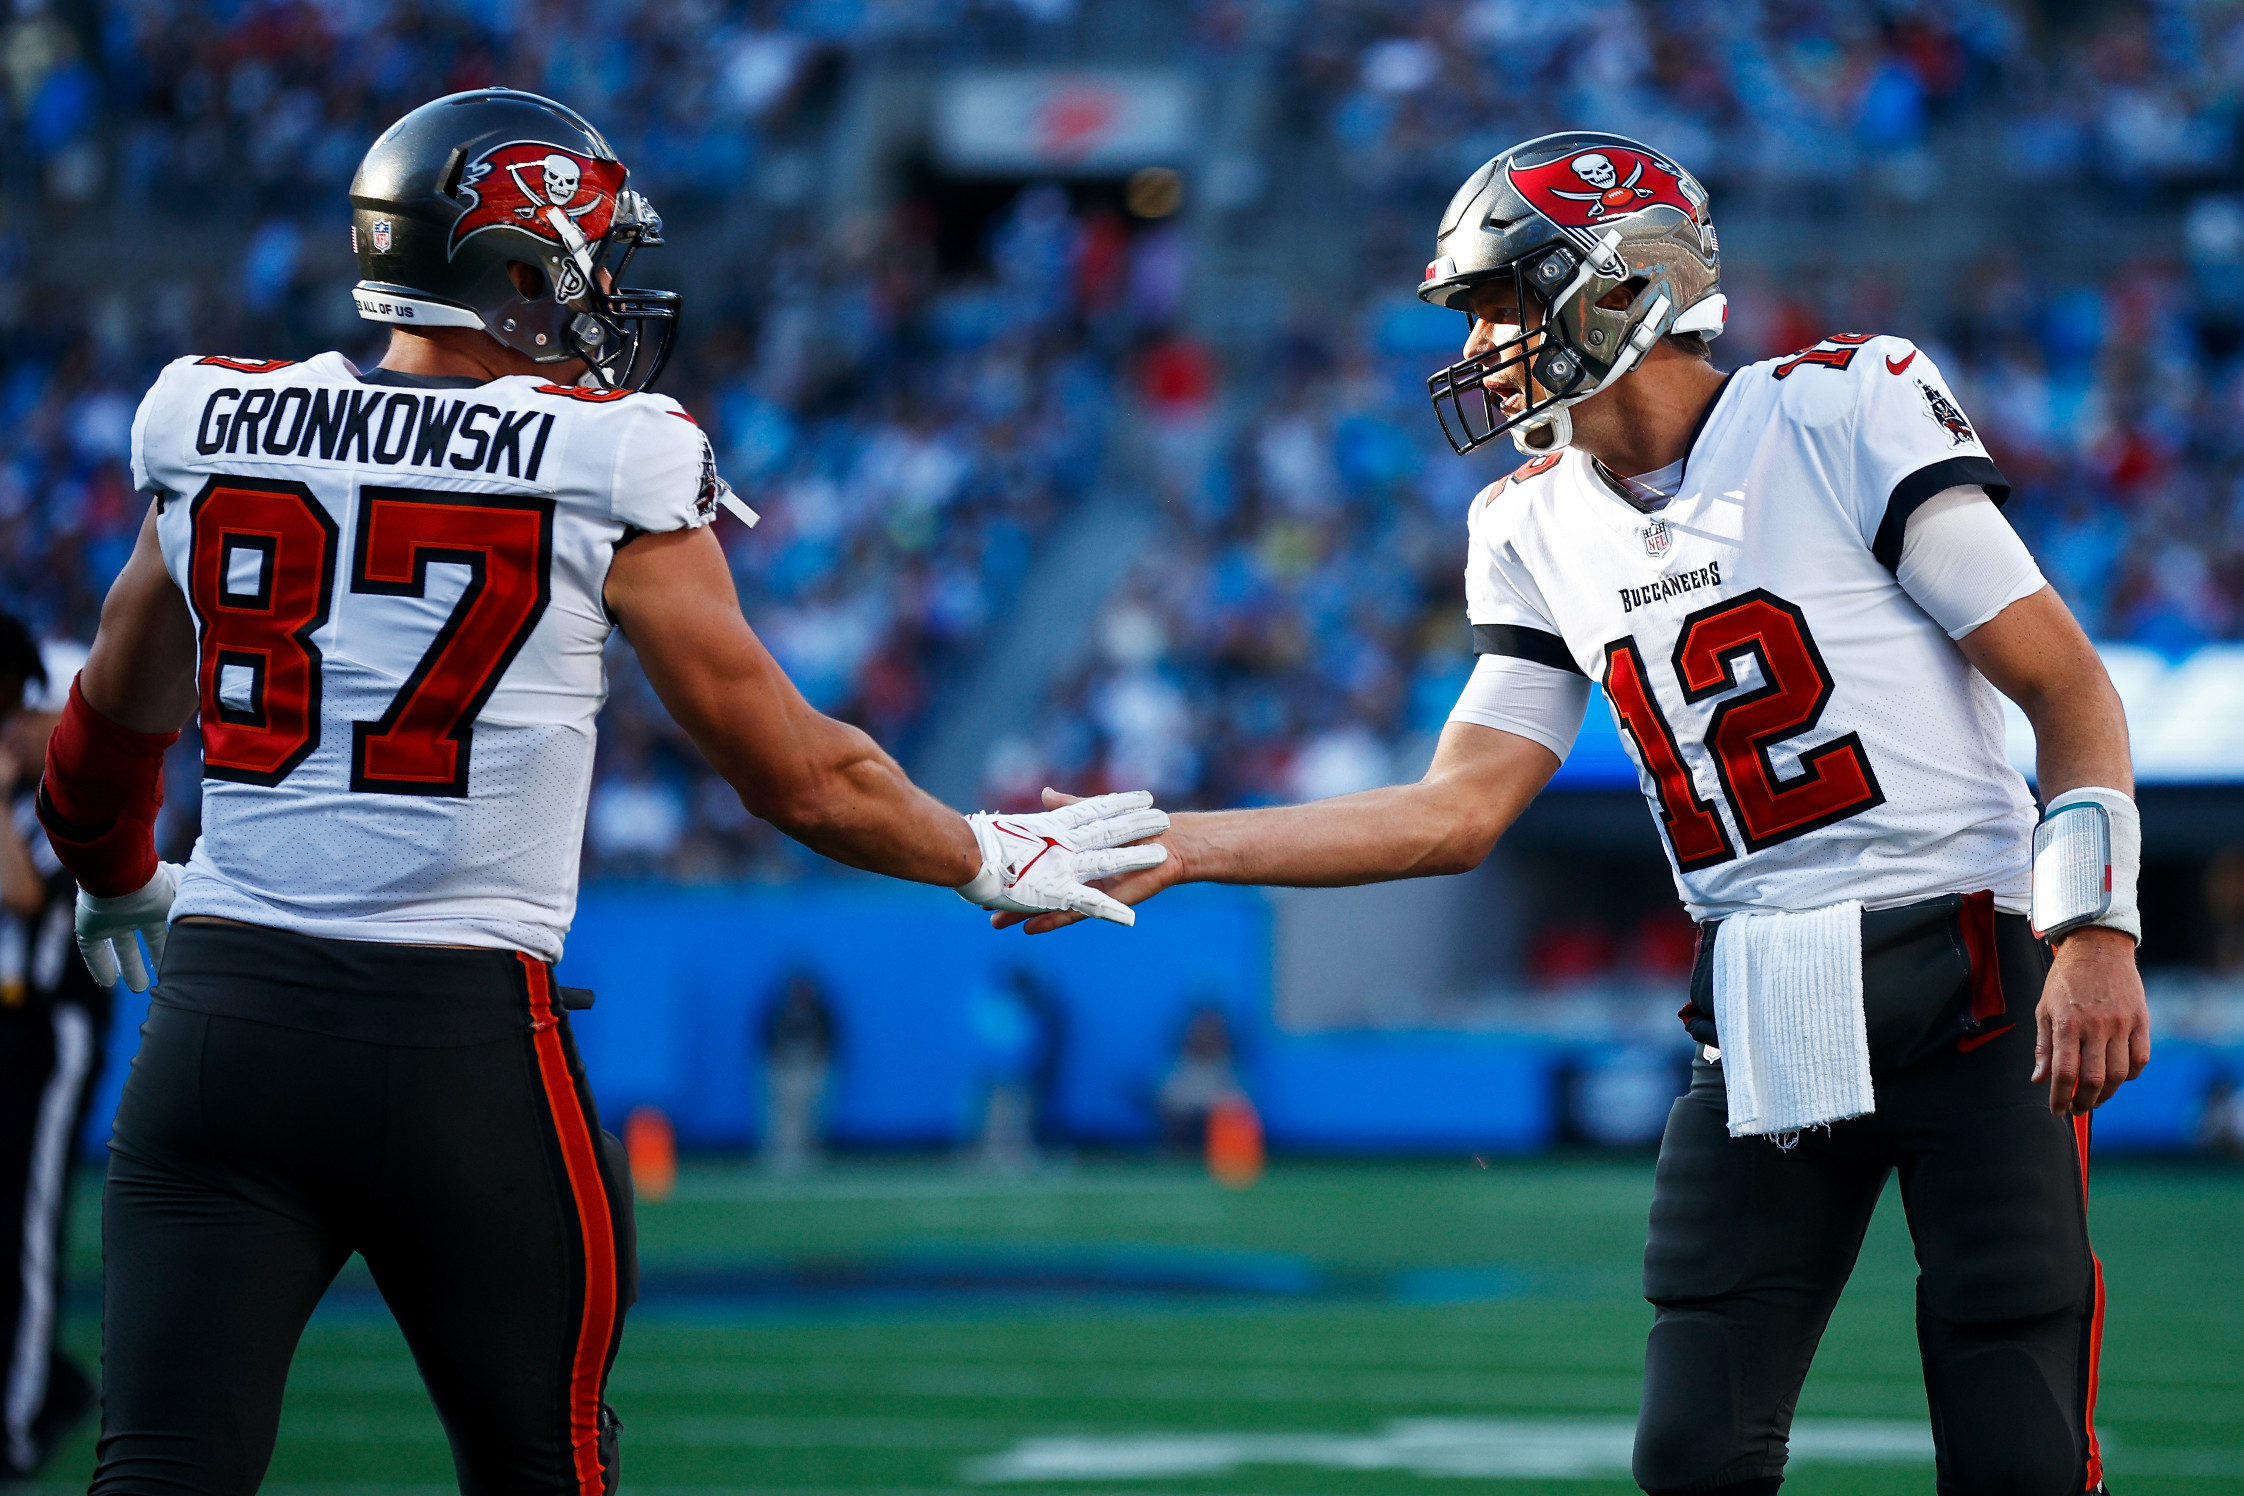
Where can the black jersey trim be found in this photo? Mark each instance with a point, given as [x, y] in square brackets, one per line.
[1910, 493]
[400, 379]
[1516, 642]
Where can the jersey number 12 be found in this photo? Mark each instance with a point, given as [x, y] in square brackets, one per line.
[1834, 780]
[261, 574]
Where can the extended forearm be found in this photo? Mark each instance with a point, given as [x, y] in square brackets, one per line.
[826, 784]
[2080, 735]
[853, 803]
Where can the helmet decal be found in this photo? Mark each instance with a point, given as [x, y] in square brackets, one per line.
[537, 187]
[1588, 189]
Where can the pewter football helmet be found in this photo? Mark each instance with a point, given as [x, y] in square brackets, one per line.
[1567, 219]
[465, 184]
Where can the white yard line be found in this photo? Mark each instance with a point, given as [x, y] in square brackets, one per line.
[1472, 1448]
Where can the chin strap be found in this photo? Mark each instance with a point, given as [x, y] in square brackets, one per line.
[1557, 428]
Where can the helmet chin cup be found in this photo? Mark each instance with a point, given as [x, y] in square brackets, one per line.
[1543, 437]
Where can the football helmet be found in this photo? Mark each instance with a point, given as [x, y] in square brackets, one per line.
[1565, 220]
[464, 185]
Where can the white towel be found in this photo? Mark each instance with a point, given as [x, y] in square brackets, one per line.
[1788, 1005]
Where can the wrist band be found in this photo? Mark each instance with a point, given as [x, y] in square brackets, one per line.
[2088, 853]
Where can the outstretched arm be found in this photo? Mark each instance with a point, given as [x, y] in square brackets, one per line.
[823, 782]
[1448, 822]
[2093, 1026]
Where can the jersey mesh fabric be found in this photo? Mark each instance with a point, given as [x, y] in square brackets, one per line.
[1785, 499]
[497, 864]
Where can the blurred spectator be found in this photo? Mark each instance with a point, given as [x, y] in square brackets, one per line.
[2220, 1126]
[1202, 1079]
[798, 1037]
[1019, 1033]
[914, 398]
[2224, 908]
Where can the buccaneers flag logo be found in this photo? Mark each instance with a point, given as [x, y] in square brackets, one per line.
[540, 188]
[1590, 188]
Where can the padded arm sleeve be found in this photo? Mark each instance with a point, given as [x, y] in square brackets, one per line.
[1962, 562]
[1515, 695]
[99, 796]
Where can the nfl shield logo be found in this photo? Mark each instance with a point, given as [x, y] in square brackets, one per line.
[381, 236]
[1655, 538]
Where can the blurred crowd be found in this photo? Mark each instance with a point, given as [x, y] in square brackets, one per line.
[1782, 92]
[914, 400]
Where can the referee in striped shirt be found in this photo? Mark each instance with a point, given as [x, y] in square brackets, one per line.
[53, 1020]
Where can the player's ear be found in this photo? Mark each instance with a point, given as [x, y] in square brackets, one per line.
[528, 279]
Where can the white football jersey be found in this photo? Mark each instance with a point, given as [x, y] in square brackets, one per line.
[396, 583]
[1805, 732]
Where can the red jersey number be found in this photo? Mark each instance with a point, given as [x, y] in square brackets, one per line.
[1693, 829]
[420, 746]
[1834, 781]
[261, 575]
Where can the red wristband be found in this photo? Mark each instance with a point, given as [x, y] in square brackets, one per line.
[99, 797]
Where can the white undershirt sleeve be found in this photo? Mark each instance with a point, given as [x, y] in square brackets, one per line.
[1537, 702]
[1962, 562]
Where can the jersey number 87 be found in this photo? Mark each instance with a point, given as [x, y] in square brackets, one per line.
[261, 575]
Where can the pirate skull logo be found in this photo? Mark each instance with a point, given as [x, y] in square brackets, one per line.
[561, 179]
[1614, 193]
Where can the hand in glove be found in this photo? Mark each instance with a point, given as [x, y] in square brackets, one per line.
[106, 926]
[1042, 862]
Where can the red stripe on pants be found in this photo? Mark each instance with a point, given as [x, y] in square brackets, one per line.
[2095, 1475]
[580, 1156]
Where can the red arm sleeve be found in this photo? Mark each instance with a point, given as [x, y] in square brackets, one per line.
[99, 797]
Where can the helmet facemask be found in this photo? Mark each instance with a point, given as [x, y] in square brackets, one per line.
[1566, 348]
[622, 334]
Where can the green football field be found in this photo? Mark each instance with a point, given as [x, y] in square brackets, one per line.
[1131, 1328]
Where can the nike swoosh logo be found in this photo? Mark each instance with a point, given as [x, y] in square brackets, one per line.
[1966, 1046]
[1894, 368]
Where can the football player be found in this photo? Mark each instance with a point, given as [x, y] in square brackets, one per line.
[1798, 591]
[386, 595]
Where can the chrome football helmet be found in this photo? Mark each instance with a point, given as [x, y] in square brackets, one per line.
[1561, 222]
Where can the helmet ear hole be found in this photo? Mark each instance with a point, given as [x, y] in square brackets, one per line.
[1623, 296]
[528, 279]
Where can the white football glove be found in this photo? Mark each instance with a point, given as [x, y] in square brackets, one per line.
[106, 926]
[1040, 863]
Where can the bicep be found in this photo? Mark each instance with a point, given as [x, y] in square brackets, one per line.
[672, 595]
[140, 673]
[2032, 647]
[1488, 775]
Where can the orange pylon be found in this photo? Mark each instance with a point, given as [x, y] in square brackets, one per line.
[653, 1149]
[1235, 1154]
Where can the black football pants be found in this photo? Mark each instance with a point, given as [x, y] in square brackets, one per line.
[297, 1100]
[1752, 1238]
